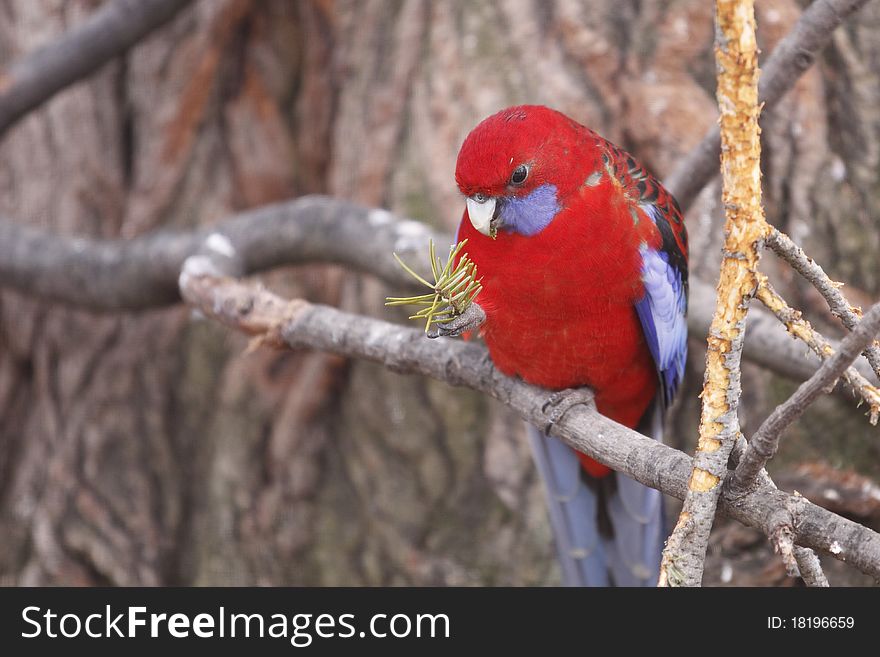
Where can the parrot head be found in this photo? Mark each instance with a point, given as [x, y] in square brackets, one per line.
[512, 169]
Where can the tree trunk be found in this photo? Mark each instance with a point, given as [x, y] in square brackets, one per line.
[151, 448]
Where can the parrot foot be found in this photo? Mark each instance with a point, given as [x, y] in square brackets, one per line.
[469, 320]
[559, 403]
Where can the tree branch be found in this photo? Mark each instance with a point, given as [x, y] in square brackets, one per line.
[782, 526]
[301, 325]
[736, 55]
[810, 568]
[800, 328]
[799, 561]
[793, 56]
[109, 32]
[809, 269]
[765, 442]
[141, 273]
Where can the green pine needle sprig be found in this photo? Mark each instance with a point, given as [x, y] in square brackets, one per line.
[453, 289]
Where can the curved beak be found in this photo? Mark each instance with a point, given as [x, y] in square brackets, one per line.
[481, 213]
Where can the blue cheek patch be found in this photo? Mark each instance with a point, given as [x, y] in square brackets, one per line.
[531, 214]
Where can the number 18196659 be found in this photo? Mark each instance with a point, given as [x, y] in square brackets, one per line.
[811, 623]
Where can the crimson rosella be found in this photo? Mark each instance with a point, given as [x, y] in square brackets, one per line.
[583, 258]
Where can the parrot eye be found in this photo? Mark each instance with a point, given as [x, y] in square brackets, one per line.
[519, 175]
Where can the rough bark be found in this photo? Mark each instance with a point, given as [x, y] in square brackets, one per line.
[144, 448]
[736, 57]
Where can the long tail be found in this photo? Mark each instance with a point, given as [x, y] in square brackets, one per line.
[608, 532]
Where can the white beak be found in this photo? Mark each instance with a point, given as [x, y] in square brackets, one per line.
[480, 214]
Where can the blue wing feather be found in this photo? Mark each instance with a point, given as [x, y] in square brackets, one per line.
[663, 310]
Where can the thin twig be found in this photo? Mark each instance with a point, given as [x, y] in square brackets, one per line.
[736, 55]
[798, 560]
[810, 568]
[300, 325]
[801, 328]
[793, 56]
[767, 343]
[794, 255]
[114, 28]
[765, 442]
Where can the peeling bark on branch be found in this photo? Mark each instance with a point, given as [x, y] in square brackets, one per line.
[736, 53]
[799, 561]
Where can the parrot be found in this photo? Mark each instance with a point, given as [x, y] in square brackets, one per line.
[583, 259]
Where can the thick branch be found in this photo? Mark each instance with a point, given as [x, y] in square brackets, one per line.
[405, 350]
[793, 56]
[110, 31]
[809, 269]
[737, 65]
[141, 273]
[765, 442]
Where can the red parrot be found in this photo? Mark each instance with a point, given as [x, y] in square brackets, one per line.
[583, 259]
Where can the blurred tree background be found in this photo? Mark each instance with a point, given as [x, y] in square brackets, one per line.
[146, 448]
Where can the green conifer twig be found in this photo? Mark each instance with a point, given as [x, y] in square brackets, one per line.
[453, 289]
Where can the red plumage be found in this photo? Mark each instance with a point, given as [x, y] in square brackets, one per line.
[559, 304]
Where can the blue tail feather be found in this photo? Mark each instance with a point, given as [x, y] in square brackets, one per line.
[631, 556]
[573, 509]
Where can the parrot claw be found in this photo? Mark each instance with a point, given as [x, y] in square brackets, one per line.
[471, 319]
[561, 401]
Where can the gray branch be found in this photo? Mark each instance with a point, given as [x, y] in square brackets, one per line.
[300, 325]
[810, 568]
[765, 442]
[801, 329]
[799, 561]
[141, 273]
[794, 255]
[793, 56]
[110, 31]
[803, 561]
